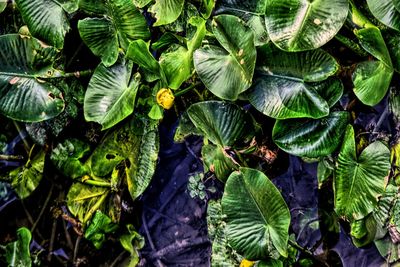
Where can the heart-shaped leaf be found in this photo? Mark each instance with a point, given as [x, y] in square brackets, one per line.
[311, 138]
[289, 85]
[111, 94]
[359, 180]
[25, 95]
[122, 24]
[223, 123]
[17, 253]
[257, 217]
[167, 11]
[298, 25]
[371, 81]
[227, 72]
[385, 11]
[46, 20]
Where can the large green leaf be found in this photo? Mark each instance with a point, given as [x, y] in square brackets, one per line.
[311, 138]
[257, 216]
[132, 242]
[371, 81]
[46, 20]
[386, 12]
[291, 85]
[25, 179]
[25, 95]
[257, 7]
[297, 25]
[223, 123]
[111, 94]
[227, 72]
[122, 24]
[167, 11]
[99, 226]
[359, 180]
[17, 253]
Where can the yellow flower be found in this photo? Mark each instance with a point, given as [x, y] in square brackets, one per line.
[165, 98]
[247, 263]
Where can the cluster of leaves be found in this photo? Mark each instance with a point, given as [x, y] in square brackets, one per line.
[273, 57]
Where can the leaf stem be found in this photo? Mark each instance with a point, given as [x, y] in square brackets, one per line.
[11, 157]
[295, 245]
[97, 183]
[189, 88]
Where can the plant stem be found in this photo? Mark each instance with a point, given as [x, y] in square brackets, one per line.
[306, 252]
[11, 157]
[184, 91]
[26, 144]
[46, 202]
[97, 183]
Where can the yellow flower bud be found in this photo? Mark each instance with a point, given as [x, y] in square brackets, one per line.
[247, 263]
[165, 98]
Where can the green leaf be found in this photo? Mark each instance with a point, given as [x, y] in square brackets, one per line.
[46, 20]
[67, 158]
[291, 85]
[251, 12]
[227, 72]
[167, 11]
[111, 94]
[359, 180]
[206, 8]
[3, 5]
[311, 138]
[99, 226]
[371, 81]
[185, 128]
[84, 200]
[216, 161]
[177, 62]
[298, 25]
[372, 41]
[104, 36]
[223, 123]
[17, 253]
[257, 216]
[25, 179]
[25, 95]
[141, 3]
[386, 12]
[363, 231]
[139, 53]
[132, 242]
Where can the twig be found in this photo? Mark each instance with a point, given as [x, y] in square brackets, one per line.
[52, 238]
[67, 235]
[30, 219]
[78, 240]
[146, 229]
[11, 157]
[46, 202]
[26, 144]
[118, 258]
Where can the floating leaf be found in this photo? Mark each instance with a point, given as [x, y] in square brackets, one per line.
[359, 180]
[216, 161]
[227, 72]
[25, 95]
[298, 25]
[257, 216]
[111, 94]
[311, 138]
